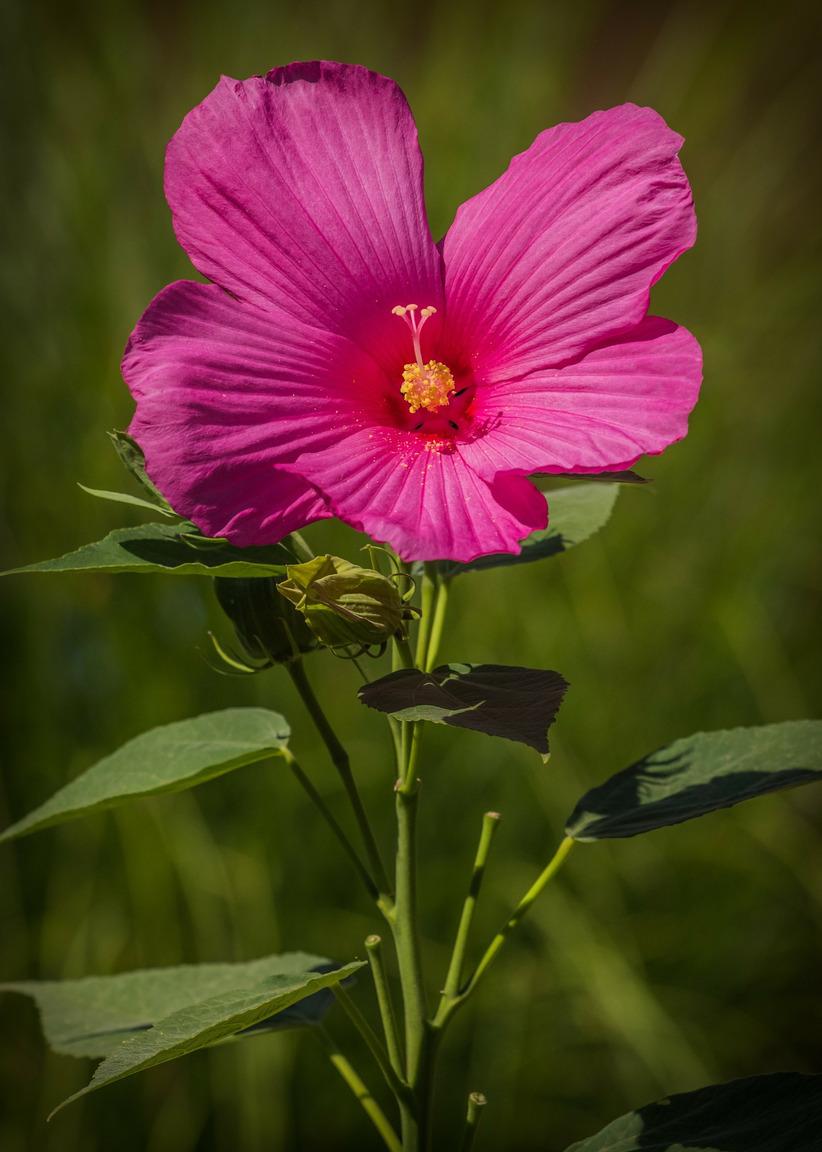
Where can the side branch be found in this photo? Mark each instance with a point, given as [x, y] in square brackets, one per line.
[339, 758]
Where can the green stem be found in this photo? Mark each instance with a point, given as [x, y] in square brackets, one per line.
[393, 725]
[339, 758]
[395, 729]
[373, 946]
[490, 823]
[429, 588]
[358, 1087]
[404, 652]
[476, 1103]
[411, 746]
[403, 922]
[398, 1086]
[450, 996]
[333, 824]
[440, 609]
[513, 920]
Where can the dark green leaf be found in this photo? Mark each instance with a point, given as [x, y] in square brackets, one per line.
[574, 515]
[697, 775]
[626, 477]
[91, 1016]
[175, 549]
[167, 759]
[777, 1113]
[515, 703]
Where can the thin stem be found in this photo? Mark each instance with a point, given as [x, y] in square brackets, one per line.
[339, 758]
[395, 729]
[412, 733]
[476, 1104]
[398, 1086]
[404, 652]
[429, 588]
[402, 919]
[403, 922]
[393, 725]
[513, 920]
[490, 823]
[450, 997]
[438, 624]
[333, 824]
[301, 546]
[358, 1087]
[373, 946]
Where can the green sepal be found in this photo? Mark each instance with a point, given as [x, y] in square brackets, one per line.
[345, 605]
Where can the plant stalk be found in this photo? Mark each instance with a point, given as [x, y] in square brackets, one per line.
[476, 1104]
[429, 588]
[437, 626]
[360, 1090]
[447, 1008]
[340, 760]
[403, 921]
[397, 1085]
[373, 946]
[490, 823]
[333, 824]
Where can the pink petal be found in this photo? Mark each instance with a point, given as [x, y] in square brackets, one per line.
[421, 497]
[304, 189]
[560, 253]
[226, 395]
[626, 399]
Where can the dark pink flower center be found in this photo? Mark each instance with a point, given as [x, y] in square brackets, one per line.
[437, 399]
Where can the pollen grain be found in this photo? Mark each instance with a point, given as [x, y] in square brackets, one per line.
[428, 386]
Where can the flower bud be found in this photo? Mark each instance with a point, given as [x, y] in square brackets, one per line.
[345, 605]
[268, 628]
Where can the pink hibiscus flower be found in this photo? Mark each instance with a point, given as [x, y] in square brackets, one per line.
[343, 364]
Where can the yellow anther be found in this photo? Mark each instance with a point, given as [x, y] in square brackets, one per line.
[423, 385]
[428, 386]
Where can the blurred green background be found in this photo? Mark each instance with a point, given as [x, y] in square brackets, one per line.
[656, 965]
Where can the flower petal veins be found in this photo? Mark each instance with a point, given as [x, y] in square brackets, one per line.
[561, 252]
[289, 390]
[303, 189]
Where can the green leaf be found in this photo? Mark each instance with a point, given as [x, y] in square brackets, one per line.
[91, 1016]
[126, 498]
[197, 1022]
[167, 759]
[514, 703]
[132, 456]
[626, 477]
[175, 549]
[574, 514]
[697, 775]
[777, 1113]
